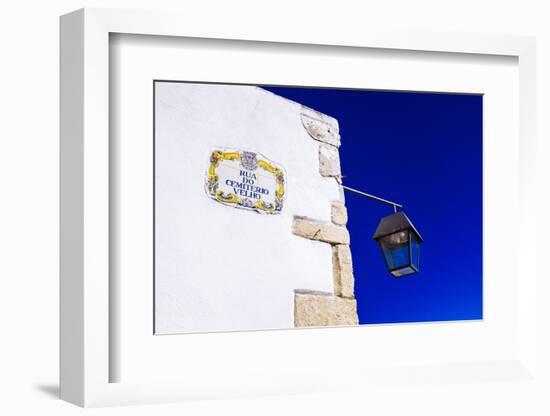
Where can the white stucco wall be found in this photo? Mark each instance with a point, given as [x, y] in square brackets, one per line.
[219, 267]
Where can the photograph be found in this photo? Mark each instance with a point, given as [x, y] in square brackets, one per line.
[279, 207]
[227, 208]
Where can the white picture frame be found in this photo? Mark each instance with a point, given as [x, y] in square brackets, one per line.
[85, 226]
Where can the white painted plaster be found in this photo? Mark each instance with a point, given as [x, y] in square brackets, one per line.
[220, 268]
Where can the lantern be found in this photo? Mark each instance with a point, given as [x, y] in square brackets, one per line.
[399, 242]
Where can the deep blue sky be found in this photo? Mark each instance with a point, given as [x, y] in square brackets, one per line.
[423, 150]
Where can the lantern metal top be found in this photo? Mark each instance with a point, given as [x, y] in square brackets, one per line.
[394, 223]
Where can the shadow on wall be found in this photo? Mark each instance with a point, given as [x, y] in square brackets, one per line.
[51, 390]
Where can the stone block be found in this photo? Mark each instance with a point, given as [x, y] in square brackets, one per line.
[329, 161]
[329, 233]
[342, 311]
[320, 128]
[342, 268]
[323, 310]
[339, 213]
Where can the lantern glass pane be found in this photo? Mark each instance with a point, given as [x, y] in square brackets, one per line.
[396, 249]
[415, 251]
[403, 272]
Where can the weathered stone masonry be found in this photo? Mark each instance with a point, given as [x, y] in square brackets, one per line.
[317, 308]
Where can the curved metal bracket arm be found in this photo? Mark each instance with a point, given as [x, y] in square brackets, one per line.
[376, 198]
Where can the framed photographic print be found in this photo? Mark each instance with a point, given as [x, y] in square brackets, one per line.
[292, 265]
[272, 214]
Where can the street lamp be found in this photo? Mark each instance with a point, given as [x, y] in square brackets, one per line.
[400, 244]
[398, 239]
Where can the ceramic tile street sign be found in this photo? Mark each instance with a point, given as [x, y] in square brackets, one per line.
[246, 180]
